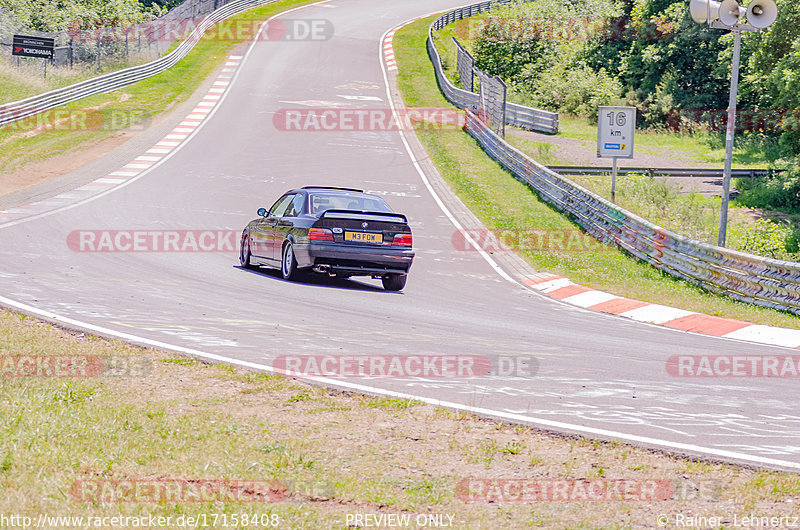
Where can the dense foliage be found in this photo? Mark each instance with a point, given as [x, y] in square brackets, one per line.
[574, 56]
[57, 15]
[779, 192]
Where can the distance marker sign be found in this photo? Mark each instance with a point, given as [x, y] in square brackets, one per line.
[615, 129]
[41, 47]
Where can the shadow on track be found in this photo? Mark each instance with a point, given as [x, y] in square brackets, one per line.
[318, 280]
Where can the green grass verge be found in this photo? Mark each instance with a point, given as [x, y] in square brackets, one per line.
[28, 79]
[503, 203]
[143, 101]
[179, 421]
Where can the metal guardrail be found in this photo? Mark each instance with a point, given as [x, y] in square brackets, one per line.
[664, 172]
[17, 110]
[516, 115]
[745, 277]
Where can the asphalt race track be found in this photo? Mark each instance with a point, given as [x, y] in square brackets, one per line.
[597, 374]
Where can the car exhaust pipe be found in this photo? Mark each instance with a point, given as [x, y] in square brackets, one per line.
[323, 269]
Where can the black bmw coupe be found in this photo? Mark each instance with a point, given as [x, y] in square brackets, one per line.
[340, 232]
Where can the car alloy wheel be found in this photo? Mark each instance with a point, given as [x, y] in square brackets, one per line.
[244, 251]
[288, 263]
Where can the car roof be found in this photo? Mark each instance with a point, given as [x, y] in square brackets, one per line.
[331, 188]
[335, 191]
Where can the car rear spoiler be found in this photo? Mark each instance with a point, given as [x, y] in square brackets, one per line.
[364, 212]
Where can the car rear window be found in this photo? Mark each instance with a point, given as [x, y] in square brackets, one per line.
[362, 203]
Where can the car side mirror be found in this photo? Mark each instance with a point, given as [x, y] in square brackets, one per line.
[262, 212]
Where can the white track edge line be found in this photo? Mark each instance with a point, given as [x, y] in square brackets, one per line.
[363, 388]
[431, 401]
[424, 177]
[178, 147]
[494, 264]
[496, 267]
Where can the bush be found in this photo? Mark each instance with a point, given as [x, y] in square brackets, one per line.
[780, 191]
[535, 48]
[576, 90]
[59, 15]
[688, 214]
[766, 238]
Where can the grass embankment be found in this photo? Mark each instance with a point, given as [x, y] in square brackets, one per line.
[175, 419]
[105, 115]
[750, 151]
[503, 203]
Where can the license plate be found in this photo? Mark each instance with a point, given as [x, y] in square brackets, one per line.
[363, 237]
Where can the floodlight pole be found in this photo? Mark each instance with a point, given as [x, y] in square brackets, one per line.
[729, 132]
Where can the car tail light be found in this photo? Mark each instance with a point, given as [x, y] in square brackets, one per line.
[403, 240]
[320, 234]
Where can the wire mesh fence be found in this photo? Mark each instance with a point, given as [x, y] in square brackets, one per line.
[465, 65]
[108, 44]
[31, 106]
[515, 114]
[492, 101]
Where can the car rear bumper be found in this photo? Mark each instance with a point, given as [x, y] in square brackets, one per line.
[350, 259]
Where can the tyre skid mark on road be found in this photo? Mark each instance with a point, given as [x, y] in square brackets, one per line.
[545, 283]
[509, 416]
